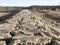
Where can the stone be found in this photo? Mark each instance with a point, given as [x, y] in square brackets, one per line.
[2, 42]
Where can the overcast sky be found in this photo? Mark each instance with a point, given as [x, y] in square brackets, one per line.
[28, 2]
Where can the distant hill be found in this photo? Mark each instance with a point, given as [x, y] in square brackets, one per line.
[2, 8]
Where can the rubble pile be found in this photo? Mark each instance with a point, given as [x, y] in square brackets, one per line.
[28, 28]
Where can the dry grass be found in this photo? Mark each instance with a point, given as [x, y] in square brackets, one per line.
[2, 14]
[57, 13]
[54, 15]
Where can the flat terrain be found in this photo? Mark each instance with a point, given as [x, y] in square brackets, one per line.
[54, 15]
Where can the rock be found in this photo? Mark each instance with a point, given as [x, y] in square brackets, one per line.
[2, 43]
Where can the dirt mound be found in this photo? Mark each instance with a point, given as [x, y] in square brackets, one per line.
[29, 28]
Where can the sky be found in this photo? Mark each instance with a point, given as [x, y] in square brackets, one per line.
[28, 2]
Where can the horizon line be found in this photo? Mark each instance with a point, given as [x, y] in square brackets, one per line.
[26, 6]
